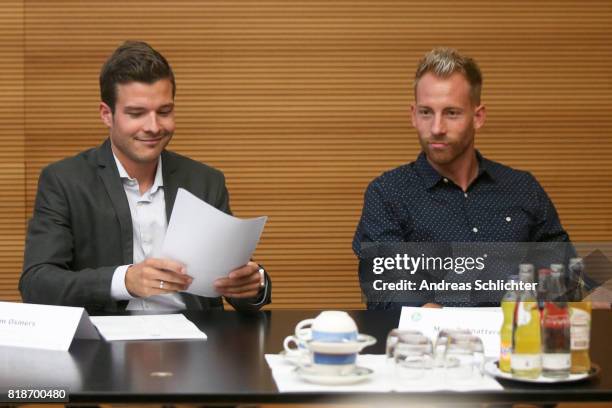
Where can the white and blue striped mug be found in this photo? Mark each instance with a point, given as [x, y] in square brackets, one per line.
[332, 340]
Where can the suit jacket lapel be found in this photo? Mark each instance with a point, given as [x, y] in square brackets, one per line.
[107, 169]
[170, 182]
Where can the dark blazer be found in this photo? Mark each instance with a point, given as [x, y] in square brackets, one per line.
[81, 229]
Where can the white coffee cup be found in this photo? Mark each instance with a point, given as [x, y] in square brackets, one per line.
[331, 342]
[330, 326]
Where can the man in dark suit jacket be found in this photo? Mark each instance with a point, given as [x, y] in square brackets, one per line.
[89, 241]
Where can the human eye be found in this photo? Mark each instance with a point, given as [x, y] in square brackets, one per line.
[453, 113]
[165, 112]
[424, 112]
[134, 114]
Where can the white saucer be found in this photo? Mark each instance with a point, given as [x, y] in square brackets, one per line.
[344, 347]
[356, 375]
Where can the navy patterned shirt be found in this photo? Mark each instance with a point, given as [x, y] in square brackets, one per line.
[414, 203]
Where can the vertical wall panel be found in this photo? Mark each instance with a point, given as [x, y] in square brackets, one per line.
[302, 103]
[12, 171]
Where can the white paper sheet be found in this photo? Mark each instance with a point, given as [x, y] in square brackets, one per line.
[383, 379]
[147, 327]
[208, 242]
[486, 323]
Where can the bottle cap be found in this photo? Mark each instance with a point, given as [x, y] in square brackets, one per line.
[526, 272]
[557, 269]
[576, 263]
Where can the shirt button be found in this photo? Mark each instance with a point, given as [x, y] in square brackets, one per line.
[508, 219]
[465, 195]
[445, 180]
[475, 229]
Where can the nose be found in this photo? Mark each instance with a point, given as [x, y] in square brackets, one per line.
[438, 127]
[152, 123]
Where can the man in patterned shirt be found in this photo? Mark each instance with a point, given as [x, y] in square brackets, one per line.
[451, 193]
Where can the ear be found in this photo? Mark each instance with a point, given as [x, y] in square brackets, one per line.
[413, 115]
[106, 114]
[480, 114]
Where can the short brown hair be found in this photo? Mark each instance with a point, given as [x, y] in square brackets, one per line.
[443, 62]
[132, 61]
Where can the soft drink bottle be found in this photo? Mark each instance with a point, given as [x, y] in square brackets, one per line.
[556, 360]
[580, 320]
[526, 358]
[508, 304]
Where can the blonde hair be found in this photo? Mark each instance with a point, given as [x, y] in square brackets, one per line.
[443, 62]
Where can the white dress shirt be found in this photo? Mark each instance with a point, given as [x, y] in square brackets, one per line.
[149, 225]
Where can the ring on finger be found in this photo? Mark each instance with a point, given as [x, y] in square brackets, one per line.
[161, 284]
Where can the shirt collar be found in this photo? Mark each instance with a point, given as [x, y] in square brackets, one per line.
[484, 167]
[157, 183]
[431, 177]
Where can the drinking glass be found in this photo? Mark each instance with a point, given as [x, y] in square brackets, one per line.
[392, 339]
[464, 357]
[413, 357]
[442, 342]
[479, 356]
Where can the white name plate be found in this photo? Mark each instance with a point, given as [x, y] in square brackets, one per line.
[43, 326]
[482, 322]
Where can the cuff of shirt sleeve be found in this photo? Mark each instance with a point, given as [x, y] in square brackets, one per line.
[263, 293]
[118, 289]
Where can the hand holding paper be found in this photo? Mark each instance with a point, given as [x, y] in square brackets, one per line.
[156, 276]
[243, 282]
[211, 244]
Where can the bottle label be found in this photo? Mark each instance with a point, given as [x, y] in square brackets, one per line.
[506, 351]
[579, 337]
[526, 362]
[556, 361]
[579, 316]
[580, 329]
[555, 322]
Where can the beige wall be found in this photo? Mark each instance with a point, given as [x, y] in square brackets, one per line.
[302, 103]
